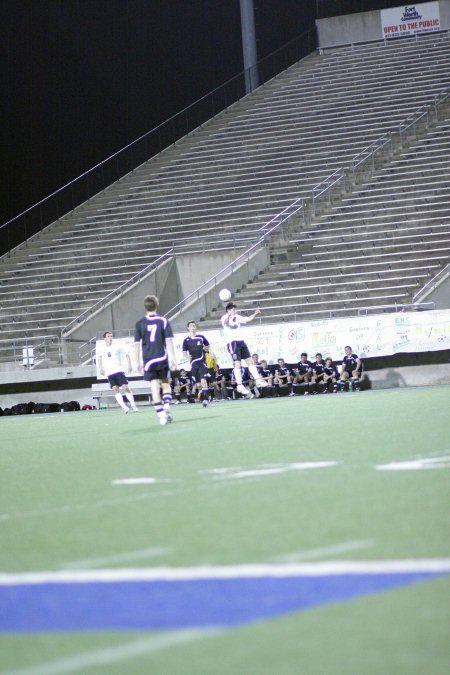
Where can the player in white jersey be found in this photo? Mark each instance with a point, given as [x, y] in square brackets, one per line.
[110, 364]
[236, 346]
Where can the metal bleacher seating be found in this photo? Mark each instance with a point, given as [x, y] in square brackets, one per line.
[374, 248]
[216, 187]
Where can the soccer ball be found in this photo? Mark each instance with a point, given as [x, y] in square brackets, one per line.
[225, 294]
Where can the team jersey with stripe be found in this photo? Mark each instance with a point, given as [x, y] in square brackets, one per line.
[152, 332]
[195, 347]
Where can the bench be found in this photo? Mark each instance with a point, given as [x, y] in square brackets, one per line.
[102, 389]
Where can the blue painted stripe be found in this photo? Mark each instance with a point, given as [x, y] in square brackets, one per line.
[179, 604]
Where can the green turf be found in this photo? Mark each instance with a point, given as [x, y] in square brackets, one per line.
[60, 509]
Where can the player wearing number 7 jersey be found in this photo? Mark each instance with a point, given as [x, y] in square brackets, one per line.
[155, 352]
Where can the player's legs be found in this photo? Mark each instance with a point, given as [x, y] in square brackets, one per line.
[166, 397]
[253, 370]
[127, 391]
[200, 373]
[159, 382]
[119, 398]
[239, 351]
[344, 379]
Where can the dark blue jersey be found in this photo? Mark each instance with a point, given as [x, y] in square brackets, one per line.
[183, 380]
[264, 372]
[195, 346]
[152, 332]
[331, 371]
[304, 367]
[318, 368]
[350, 362]
[282, 371]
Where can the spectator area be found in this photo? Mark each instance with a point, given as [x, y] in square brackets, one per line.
[218, 186]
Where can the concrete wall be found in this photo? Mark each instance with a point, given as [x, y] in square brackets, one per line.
[410, 376]
[171, 282]
[440, 295]
[349, 29]
[193, 270]
[238, 275]
[363, 27]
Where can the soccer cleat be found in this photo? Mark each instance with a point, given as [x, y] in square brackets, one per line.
[162, 418]
[261, 383]
[292, 394]
[306, 393]
[169, 417]
[242, 390]
[125, 410]
[135, 409]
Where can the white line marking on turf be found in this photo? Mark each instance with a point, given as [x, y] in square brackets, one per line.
[86, 661]
[265, 469]
[325, 551]
[417, 464]
[142, 554]
[250, 571]
[139, 481]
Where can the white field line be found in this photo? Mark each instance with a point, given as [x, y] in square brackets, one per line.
[86, 661]
[141, 554]
[422, 463]
[143, 480]
[266, 469]
[251, 571]
[248, 474]
[324, 552]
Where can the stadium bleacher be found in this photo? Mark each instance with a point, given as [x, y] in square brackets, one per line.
[217, 187]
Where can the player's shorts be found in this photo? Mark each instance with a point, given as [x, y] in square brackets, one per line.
[199, 370]
[158, 372]
[117, 380]
[238, 350]
[350, 372]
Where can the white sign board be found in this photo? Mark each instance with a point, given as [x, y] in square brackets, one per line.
[368, 336]
[410, 20]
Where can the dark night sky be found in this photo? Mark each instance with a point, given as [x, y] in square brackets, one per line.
[82, 78]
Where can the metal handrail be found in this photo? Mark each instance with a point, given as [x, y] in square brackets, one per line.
[297, 205]
[326, 185]
[371, 150]
[35, 342]
[400, 307]
[434, 282]
[114, 294]
[317, 191]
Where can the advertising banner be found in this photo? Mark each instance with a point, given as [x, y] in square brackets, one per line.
[410, 20]
[368, 336]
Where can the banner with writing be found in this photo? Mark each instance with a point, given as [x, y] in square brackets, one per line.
[410, 20]
[368, 336]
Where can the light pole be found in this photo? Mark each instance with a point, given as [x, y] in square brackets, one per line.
[249, 45]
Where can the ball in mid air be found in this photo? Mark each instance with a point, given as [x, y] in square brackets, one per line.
[225, 294]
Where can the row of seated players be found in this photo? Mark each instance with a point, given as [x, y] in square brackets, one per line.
[306, 377]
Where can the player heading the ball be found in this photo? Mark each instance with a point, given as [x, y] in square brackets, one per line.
[237, 348]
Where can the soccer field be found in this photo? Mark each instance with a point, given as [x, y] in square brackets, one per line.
[303, 535]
